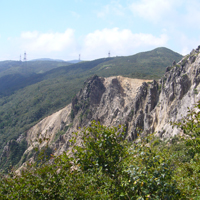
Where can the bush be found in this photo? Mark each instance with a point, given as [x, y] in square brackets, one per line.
[106, 166]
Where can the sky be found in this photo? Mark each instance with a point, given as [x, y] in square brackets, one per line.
[63, 29]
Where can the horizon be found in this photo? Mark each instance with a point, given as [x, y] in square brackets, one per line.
[35, 59]
[63, 30]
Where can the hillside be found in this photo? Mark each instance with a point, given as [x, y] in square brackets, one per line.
[15, 75]
[29, 67]
[148, 105]
[144, 65]
[22, 106]
[119, 138]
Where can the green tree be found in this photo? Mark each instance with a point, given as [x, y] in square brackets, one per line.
[188, 170]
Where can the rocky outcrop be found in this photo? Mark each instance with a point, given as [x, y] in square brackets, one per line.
[143, 106]
[48, 128]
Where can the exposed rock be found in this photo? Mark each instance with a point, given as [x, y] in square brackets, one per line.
[146, 105]
[48, 127]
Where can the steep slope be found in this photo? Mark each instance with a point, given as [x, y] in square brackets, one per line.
[25, 100]
[149, 106]
[103, 99]
[55, 88]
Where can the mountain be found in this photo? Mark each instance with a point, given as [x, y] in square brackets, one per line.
[149, 105]
[74, 61]
[29, 68]
[122, 162]
[150, 64]
[23, 104]
[57, 60]
[19, 74]
[48, 59]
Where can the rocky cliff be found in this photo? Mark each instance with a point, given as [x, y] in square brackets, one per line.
[147, 105]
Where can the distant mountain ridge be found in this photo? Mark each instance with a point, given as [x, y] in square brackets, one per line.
[48, 59]
[58, 60]
[28, 68]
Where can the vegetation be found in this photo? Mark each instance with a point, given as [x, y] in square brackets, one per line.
[29, 67]
[146, 65]
[105, 166]
[32, 92]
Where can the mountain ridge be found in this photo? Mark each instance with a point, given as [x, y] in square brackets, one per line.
[150, 106]
[26, 106]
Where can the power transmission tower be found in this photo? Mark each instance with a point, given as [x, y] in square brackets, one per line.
[24, 56]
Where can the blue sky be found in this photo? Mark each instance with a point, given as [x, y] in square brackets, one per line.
[63, 29]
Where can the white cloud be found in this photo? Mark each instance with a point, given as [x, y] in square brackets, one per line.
[180, 18]
[187, 44]
[94, 45]
[105, 11]
[168, 12]
[158, 10]
[192, 15]
[29, 35]
[119, 42]
[75, 14]
[47, 42]
[154, 10]
[113, 8]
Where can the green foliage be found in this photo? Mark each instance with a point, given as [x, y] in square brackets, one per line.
[151, 173]
[94, 172]
[188, 170]
[146, 65]
[15, 152]
[29, 68]
[106, 147]
[104, 166]
[59, 133]
[22, 110]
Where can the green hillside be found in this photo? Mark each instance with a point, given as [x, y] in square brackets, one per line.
[29, 67]
[26, 100]
[15, 75]
[149, 64]
[27, 74]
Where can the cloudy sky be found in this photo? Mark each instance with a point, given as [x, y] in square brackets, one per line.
[63, 29]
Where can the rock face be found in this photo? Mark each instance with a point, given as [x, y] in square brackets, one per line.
[144, 104]
[48, 127]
